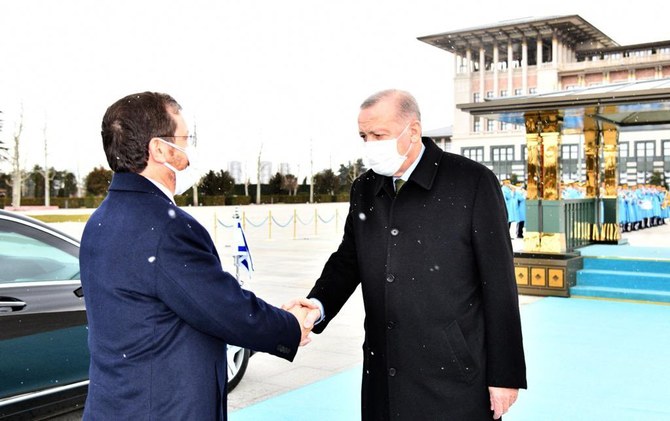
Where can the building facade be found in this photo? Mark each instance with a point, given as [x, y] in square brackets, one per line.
[235, 170]
[539, 56]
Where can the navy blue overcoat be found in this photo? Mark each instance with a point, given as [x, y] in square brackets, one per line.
[161, 311]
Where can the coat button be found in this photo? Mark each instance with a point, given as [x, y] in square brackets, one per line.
[390, 277]
[395, 232]
[392, 372]
[390, 325]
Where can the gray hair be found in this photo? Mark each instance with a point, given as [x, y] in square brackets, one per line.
[407, 105]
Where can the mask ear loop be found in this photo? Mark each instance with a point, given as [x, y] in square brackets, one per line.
[410, 141]
[180, 149]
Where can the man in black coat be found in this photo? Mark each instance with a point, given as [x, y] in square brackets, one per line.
[427, 238]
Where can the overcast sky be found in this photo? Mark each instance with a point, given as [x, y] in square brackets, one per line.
[284, 74]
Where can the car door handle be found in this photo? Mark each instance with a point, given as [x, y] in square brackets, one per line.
[12, 303]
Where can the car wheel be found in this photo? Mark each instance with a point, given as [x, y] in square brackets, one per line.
[238, 359]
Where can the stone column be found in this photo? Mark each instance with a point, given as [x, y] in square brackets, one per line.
[482, 71]
[496, 59]
[510, 68]
[554, 49]
[524, 66]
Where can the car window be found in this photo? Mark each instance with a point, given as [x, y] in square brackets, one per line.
[29, 254]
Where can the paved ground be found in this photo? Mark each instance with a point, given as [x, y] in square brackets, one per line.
[288, 258]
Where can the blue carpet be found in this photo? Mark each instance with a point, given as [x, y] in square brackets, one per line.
[592, 360]
[336, 398]
[588, 360]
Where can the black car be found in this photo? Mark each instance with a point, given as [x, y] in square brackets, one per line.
[44, 355]
[43, 351]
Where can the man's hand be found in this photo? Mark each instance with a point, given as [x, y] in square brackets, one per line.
[311, 315]
[501, 400]
[300, 313]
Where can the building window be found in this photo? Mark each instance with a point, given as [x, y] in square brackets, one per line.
[517, 92]
[476, 97]
[476, 154]
[623, 158]
[532, 91]
[570, 162]
[502, 153]
[666, 155]
[489, 94]
[503, 93]
[490, 125]
[502, 158]
[644, 157]
[623, 150]
[477, 125]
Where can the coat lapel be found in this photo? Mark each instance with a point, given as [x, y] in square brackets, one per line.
[425, 172]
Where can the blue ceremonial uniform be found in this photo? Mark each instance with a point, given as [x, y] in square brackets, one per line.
[510, 203]
[520, 195]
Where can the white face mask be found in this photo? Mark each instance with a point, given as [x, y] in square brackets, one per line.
[186, 178]
[382, 155]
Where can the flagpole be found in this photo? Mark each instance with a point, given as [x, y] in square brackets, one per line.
[242, 252]
[236, 258]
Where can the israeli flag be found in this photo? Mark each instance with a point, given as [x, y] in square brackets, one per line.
[242, 254]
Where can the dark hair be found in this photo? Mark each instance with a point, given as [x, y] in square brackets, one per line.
[407, 105]
[130, 123]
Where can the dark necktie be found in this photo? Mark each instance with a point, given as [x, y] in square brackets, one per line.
[398, 184]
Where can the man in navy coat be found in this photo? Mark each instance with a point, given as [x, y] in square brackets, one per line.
[160, 308]
[427, 240]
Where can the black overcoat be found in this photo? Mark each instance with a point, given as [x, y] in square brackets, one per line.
[435, 263]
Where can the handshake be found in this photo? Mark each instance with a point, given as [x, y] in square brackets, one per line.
[307, 312]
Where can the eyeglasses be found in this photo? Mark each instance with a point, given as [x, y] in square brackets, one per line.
[190, 139]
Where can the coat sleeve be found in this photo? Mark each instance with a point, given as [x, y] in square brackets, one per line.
[340, 275]
[189, 279]
[495, 261]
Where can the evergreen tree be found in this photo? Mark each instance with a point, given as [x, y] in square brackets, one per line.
[97, 181]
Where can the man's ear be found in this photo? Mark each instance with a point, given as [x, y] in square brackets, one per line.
[158, 150]
[415, 131]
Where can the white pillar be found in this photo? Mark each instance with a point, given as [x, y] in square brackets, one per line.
[482, 70]
[496, 58]
[554, 50]
[539, 50]
[524, 66]
[510, 64]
